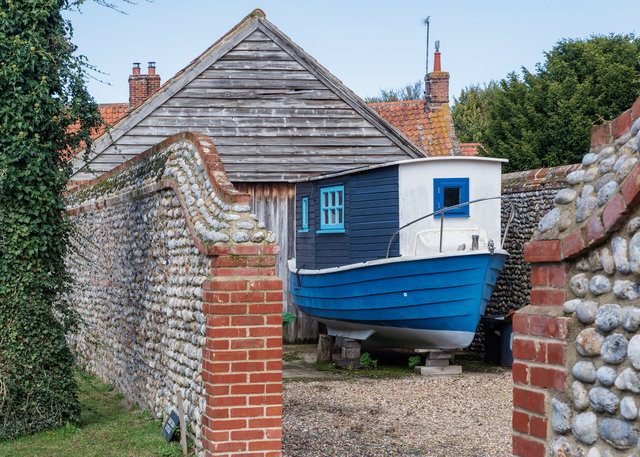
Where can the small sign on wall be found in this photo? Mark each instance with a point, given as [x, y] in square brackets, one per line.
[170, 427]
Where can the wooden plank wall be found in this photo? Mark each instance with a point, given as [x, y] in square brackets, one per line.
[270, 119]
[274, 204]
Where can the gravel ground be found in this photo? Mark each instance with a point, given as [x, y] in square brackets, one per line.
[451, 416]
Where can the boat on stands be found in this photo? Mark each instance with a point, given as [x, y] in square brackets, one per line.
[401, 255]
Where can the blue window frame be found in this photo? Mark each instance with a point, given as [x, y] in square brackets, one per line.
[450, 192]
[304, 224]
[332, 209]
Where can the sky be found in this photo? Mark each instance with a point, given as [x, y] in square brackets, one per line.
[369, 45]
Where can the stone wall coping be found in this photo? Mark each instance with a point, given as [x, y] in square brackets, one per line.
[612, 130]
[208, 153]
[539, 178]
[221, 185]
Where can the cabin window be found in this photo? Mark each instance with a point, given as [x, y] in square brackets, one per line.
[304, 225]
[450, 192]
[332, 209]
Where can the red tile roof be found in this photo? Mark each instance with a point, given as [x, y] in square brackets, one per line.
[113, 112]
[471, 149]
[432, 132]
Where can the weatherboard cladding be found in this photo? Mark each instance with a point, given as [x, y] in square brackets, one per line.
[272, 115]
[371, 216]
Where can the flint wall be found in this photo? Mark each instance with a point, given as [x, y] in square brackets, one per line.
[576, 347]
[176, 288]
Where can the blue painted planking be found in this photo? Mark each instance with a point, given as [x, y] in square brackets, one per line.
[305, 241]
[375, 214]
[447, 293]
[371, 215]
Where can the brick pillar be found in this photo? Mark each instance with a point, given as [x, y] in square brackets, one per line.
[539, 349]
[242, 359]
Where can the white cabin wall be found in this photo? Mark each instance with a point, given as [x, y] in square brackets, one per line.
[416, 196]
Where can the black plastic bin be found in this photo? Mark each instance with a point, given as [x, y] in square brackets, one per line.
[498, 340]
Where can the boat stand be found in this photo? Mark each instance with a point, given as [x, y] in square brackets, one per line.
[437, 362]
[348, 355]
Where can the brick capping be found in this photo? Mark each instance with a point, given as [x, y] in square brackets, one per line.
[208, 153]
[594, 230]
[214, 169]
[615, 213]
[536, 179]
[543, 251]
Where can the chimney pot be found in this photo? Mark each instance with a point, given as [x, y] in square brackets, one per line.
[436, 62]
[141, 87]
[437, 84]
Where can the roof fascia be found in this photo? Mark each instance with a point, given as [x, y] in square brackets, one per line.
[346, 94]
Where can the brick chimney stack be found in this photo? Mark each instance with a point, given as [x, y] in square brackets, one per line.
[141, 86]
[437, 83]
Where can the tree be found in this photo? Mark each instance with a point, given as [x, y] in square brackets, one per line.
[413, 91]
[469, 112]
[45, 111]
[542, 119]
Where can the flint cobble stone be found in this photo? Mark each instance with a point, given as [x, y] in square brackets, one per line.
[606, 375]
[599, 285]
[608, 317]
[586, 311]
[631, 316]
[628, 408]
[589, 342]
[633, 351]
[584, 371]
[614, 349]
[603, 400]
[585, 427]
[561, 416]
[619, 433]
[580, 396]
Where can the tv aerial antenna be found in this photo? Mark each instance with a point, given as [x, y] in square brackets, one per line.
[427, 89]
[425, 22]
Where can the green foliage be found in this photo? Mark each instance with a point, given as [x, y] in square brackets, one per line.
[543, 119]
[469, 112]
[414, 361]
[107, 428]
[413, 91]
[42, 94]
[367, 362]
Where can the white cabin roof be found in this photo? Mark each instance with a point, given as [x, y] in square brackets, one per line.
[468, 160]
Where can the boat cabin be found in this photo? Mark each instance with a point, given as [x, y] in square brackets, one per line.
[348, 217]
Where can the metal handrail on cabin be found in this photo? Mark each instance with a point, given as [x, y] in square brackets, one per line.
[441, 211]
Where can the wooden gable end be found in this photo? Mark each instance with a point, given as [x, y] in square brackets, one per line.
[269, 113]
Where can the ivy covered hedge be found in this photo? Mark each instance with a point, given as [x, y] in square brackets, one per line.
[45, 112]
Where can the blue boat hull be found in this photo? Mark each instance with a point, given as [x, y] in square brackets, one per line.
[405, 302]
